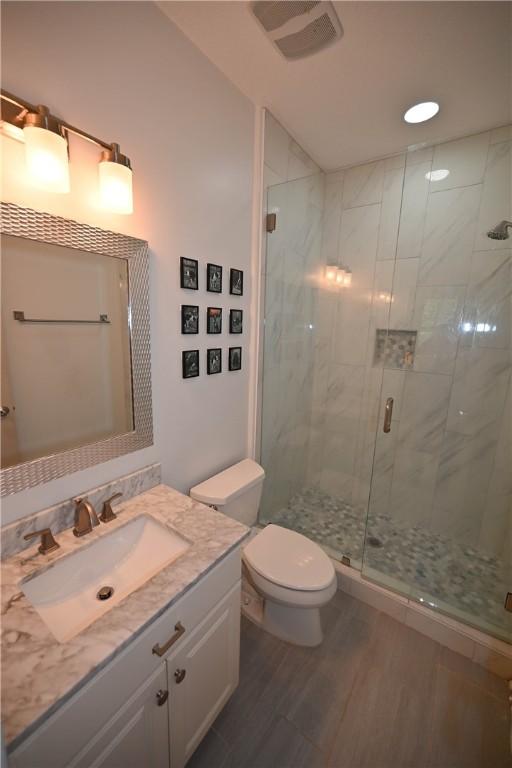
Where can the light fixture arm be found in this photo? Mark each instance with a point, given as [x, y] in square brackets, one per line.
[43, 114]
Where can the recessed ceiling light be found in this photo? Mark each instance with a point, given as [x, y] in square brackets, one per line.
[438, 175]
[421, 112]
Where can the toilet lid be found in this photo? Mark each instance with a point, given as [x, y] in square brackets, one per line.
[289, 559]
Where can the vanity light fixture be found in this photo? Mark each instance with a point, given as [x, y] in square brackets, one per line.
[47, 152]
[115, 174]
[421, 112]
[340, 276]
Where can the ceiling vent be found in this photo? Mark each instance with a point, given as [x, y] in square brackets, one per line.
[298, 29]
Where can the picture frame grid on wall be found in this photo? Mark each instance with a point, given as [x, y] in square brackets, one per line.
[235, 359]
[190, 363]
[189, 319]
[214, 360]
[214, 320]
[189, 274]
[214, 278]
[236, 320]
[236, 282]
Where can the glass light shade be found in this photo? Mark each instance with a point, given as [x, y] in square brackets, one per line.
[46, 155]
[331, 273]
[116, 187]
[347, 278]
[340, 275]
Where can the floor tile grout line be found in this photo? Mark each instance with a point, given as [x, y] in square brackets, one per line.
[349, 697]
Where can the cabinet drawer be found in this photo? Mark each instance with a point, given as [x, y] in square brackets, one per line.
[62, 735]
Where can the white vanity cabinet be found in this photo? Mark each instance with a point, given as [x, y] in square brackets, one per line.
[202, 675]
[137, 736]
[144, 710]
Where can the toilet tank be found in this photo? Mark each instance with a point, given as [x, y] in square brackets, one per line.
[236, 491]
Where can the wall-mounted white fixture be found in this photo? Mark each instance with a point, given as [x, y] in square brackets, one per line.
[47, 152]
[439, 175]
[115, 181]
[421, 112]
[331, 273]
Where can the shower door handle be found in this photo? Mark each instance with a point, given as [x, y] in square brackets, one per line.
[388, 413]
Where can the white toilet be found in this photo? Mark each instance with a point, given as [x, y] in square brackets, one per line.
[292, 574]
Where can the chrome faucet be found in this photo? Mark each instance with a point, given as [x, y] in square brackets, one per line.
[85, 517]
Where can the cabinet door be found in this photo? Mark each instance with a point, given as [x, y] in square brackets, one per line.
[202, 675]
[137, 736]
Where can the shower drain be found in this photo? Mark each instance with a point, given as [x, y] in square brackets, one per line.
[105, 593]
[373, 541]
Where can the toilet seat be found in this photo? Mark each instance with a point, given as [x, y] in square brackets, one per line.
[289, 561]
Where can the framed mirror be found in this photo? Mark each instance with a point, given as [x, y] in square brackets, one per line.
[75, 357]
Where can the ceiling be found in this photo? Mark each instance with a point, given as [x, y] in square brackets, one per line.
[344, 105]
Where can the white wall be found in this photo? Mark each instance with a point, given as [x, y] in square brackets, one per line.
[122, 71]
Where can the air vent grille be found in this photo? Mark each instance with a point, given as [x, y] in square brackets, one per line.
[312, 38]
[298, 29]
[272, 15]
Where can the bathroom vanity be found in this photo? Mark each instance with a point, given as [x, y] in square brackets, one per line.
[141, 684]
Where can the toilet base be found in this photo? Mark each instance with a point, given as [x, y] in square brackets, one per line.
[300, 626]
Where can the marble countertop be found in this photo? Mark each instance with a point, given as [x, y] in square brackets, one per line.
[38, 672]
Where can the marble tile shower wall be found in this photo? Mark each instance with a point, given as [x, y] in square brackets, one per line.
[291, 266]
[446, 463]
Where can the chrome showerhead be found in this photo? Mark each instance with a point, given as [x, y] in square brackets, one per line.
[500, 231]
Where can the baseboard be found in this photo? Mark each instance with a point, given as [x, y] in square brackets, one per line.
[491, 653]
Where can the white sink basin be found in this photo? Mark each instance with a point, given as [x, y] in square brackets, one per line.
[65, 596]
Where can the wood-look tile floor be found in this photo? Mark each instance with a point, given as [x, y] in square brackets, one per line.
[375, 694]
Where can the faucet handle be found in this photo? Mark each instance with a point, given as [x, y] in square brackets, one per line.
[48, 543]
[107, 513]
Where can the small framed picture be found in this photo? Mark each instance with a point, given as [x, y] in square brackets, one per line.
[214, 278]
[214, 320]
[235, 321]
[190, 363]
[189, 318]
[236, 282]
[235, 358]
[189, 274]
[214, 360]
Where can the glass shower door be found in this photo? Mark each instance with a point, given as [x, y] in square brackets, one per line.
[292, 265]
[439, 524]
[320, 391]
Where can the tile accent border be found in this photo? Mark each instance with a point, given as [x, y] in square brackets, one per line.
[491, 653]
[61, 515]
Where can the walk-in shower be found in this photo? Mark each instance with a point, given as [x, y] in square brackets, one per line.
[423, 508]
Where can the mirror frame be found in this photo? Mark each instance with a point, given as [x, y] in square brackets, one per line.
[36, 225]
